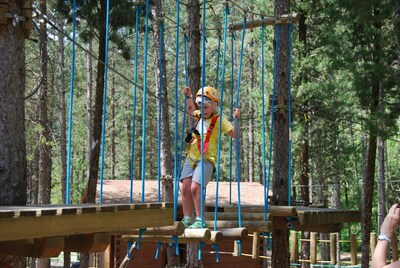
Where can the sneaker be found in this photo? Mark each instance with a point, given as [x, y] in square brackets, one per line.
[197, 224]
[187, 221]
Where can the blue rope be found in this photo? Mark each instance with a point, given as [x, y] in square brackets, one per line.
[218, 53]
[271, 133]
[176, 244]
[266, 191]
[184, 112]
[231, 118]
[159, 110]
[131, 171]
[290, 116]
[237, 124]
[220, 118]
[159, 245]
[201, 245]
[239, 243]
[146, 41]
[71, 105]
[215, 247]
[203, 83]
[176, 106]
[103, 125]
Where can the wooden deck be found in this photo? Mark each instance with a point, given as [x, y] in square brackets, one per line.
[46, 230]
[324, 220]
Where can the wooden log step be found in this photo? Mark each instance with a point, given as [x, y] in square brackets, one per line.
[234, 233]
[251, 226]
[189, 236]
[177, 229]
[233, 216]
[36, 248]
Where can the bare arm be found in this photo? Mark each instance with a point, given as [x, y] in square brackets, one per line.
[190, 105]
[232, 133]
[388, 228]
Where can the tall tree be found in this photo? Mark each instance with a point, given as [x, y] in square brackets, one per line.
[280, 254]
[12, 130]
[94, 15]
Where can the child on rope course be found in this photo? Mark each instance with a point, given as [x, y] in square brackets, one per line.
[191, 172]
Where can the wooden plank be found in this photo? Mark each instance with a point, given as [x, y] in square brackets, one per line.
[68, 223]
[87, 243]
[37, 248]
[176, 229]
[288, 18]
[229, 216]
[281, 211]
[327, 216]
[251, 226]
[282, 223]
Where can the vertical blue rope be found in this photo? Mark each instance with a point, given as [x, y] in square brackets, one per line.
[146, 41]
[103, 125]
[271, 133]
[290, 116]
[218, 53]
[220, 118]
[159, 109]
[131, 171]
[184, 107]
[231, 118]
[266, 191]
[237, 124]
[178, 3]
[71, 105]
[203, 83]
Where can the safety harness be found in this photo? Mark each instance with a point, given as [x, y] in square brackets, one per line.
[208, 135]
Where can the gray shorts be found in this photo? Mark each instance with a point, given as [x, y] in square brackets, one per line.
[188, 171]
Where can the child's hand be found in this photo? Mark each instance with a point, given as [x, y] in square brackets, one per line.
[236, 113]
[187, 92]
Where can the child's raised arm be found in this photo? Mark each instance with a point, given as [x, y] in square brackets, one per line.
[191, 107]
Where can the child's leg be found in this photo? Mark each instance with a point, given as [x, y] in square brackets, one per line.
[196, 194]
[187, 199]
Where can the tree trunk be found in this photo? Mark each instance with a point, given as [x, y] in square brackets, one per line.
[280, 248]
[90, 192]
[368, 185]
[194, 43]
[305, 195]
[45, 161]
[381, 182]
[12, 115]
[89, 105]
[113, 127]
[194, 74]
[251, 109]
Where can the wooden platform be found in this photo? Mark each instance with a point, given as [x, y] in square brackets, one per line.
[324, 220]
[46, 230]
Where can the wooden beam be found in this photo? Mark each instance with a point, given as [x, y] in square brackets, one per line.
[87, 243]
[36, 248]
[285, 224]
[308, 215]
[229, 216]
[28, 223]
[251, 226]
[284, 19]
[176, 229]
[189, 236]
[282, 211]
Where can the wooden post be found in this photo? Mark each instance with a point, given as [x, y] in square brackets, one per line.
[333, 238]
[395, 249]
[372, 242]
[256, 245]
[353, 246]
[294, 253]
[313, 248]
[235, 249]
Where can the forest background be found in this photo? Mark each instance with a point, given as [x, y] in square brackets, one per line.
[345, 82]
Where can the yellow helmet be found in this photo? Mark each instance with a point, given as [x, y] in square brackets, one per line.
[210, 93]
